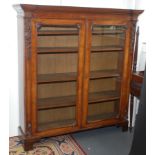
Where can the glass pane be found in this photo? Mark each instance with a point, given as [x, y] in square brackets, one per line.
[106, 63]
[56, 118]
[57, 75]
[110, 36]
[103, 110]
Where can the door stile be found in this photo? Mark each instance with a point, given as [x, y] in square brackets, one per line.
[126, 73]
[80, 73]
[86, 71]
[34, 77]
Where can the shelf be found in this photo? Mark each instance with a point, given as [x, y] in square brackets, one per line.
[69, 101]
[57, 77]
[49, 50]
[107, 32]
[57, 32]
[102, 117]
[76, 32]
[56, 124]
[66, 77]
[103, 96]
[106, 49]
[103, 74]
[56, 102]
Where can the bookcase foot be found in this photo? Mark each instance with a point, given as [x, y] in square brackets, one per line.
[124, 126]
[28, 144]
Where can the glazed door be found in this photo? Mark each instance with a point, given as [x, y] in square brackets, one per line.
[104, 73]
[57, 80]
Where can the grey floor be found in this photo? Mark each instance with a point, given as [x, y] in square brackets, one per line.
[105, 141]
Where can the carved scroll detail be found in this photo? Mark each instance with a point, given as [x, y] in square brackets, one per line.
[133, 36]
[27, 32]
[133, 33]
[27, 38]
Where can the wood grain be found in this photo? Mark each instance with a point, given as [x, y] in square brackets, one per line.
[68, 101]
[72, 76]
[81, 51]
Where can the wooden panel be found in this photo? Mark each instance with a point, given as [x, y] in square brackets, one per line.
[103, 74]
[57, 63]
[42, 11]
[49, 50]
[53, 115]
[106, 32]
[58, 41]
[56, 102]
[99, 85]
[106, 48]
[136, 83]
[100, 108]
[58, 77]
[108, 35]
[104, 61]
[75, 32]
[56, 89]
[103, 110]
[102, 117]
[103, 96]
[57, 32]
[68, 101]
[105, 40]
[64, 77]
[56, 124]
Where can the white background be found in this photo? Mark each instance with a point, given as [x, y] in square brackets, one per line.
[9, 108]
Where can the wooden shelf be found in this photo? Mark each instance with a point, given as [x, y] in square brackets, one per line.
[106, 49]
[75, 32]
[49, 50]
[57, 77]
[103, 74]
[69, 101]
[103, 96]
[57, 32]
[107, 32]
[56, 124]
[102, 117]
[56, 102]
[66, 77]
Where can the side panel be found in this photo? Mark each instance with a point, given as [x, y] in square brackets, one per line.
[21, 71]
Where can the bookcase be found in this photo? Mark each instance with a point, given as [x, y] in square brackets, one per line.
[76, 68]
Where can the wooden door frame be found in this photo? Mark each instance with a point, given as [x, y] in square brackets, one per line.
[81, 25]
[124, 95]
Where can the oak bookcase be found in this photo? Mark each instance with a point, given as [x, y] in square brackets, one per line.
[74, 68]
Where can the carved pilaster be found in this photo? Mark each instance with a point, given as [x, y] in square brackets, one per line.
[27, 32]
[134, 23]
[27, 39]
[133, 44]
